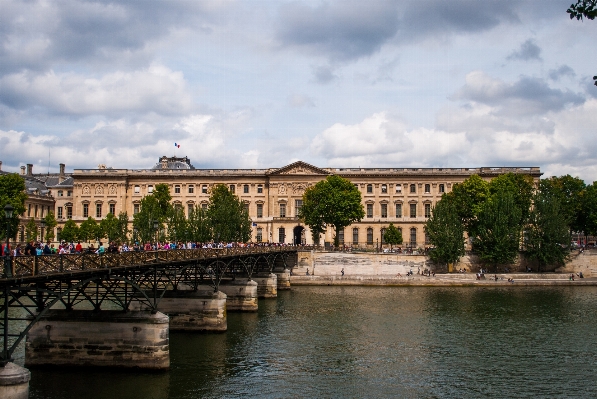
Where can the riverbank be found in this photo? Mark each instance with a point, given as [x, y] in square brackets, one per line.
[451, 279]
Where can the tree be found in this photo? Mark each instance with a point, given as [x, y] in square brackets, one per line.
[51, 223]
[110, 227]
[177, 226]
[468, 198]
[445, 231]
[586, 9]
[498, 230]
[337, 203]
[70, 231]
[547, 240]
[143, 220]
[88, 230]
[198, 225]
[392, 235]
[31, 230]
[161, 193]
[520, 186]
[589, 206]
[122, 230]
[312, 213]
[12, 191]
[569, 191]
[228, 216]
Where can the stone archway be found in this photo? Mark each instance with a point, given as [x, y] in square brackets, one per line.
[297, 235]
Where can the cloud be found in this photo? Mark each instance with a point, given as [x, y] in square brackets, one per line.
[300, 101]
[155, 89]
[562, 71]
[324, 74]
[529, 51]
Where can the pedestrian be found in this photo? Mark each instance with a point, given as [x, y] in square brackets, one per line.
[342, 271]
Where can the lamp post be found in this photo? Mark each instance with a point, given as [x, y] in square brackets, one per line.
[156, 224]
[43, 225]
[8, 210]
[377, 245]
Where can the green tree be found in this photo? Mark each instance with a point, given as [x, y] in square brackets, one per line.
[143, 220]
[88, 230]
[12, 191]
[569, 191]
[161, 193]
[122, 230]
[70, 231]
[589, 206]
[392, 235]
[547, 239]
[337, 203]
[498, 230]
[584, 9]
[31, 230]
[177, 226]
[520, 186]
[445, 231]
[312, 213]
[110, 227]
[228, 216]
[51, 223]
[198, 225]
[468, 197]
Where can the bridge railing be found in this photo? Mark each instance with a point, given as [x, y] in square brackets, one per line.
[25, 266]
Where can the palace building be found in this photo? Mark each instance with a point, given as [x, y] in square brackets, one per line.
[402, 196]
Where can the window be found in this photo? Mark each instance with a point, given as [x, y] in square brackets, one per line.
[427, 242]
[246, 207]
[29, 210]
[441, 188]
[369, 236]
[413, 237]
[204, 189]
[341, 236]
[260, 189]
[189, 209]
[398, 188]
[177, 189]
[246, 189]
[298, 205]
[85, 210]
[413, 188]
[232, 188]
[137, 189]
[69, 193]
[191, 189]
[383, 233]
[59, 212]
[69, 212]
[398, 210]
[427, 188]
[259, 234]
[427, 210]
[384, 210]
[355, 235]
[259, 210]
[60, 193]
[113, 209]
[98, 210]
[135, 209]
[413, 210]
[369, 210]
[282, 210]
[59, 233]
[35, 210]
[281, 234]
[384, 188]
[369, 188]
[204, 206]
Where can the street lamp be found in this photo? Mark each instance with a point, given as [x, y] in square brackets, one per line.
[156, 224]
[8, 210]
[43, 225]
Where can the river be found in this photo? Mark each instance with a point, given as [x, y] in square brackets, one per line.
[373, 342]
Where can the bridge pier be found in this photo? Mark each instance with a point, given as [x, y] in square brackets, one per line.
[14, 382]
[283, 280]
[135, 339]
[241, 295]
[201, 310]
[267, 285]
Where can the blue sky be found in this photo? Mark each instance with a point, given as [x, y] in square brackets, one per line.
[260, 84]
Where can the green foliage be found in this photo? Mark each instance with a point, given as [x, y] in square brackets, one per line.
[498, 229]
[177, 226]
[547, 239]
[468, 198]
[583, 9]
[228, 217]
[115, 228]
[31, 230]
[12, 191]
[143, 221]
[161, 193]
[392, 235]
[520, 186]
[70, 231]
[589, 209]
[198, 225]
[445, 230]
[334, 201]
[51, 223]
[88, 230]
[569, 191]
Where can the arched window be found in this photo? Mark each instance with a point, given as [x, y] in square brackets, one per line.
[370, 236]
[413, 237]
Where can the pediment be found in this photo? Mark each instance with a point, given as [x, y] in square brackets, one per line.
[299, 168]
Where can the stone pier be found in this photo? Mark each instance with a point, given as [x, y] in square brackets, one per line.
[201, 310]
[14, 382]
[283, 280]
[267, 286]
[241, 295]
[110, 338]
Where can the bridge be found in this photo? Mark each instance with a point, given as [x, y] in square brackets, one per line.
[116, 309]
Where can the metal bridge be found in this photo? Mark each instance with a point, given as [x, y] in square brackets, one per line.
[31, 285]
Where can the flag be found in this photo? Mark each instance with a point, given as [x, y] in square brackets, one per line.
[176, 145]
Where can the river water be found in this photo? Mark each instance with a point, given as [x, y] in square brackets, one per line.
[373, 342]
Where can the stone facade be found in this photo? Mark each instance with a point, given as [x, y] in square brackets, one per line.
[403, 196]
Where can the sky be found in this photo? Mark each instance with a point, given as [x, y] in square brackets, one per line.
[261, 84]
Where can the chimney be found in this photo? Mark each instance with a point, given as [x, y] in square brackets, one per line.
[22, 170]
[61, 177]
[29, 169]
